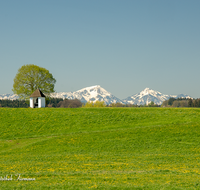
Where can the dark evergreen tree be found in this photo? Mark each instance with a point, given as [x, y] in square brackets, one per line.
[190, 103]
[170, 101]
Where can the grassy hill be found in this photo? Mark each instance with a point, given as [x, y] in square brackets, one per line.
[100, 148]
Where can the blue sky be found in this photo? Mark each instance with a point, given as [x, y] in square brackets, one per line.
[123, 46]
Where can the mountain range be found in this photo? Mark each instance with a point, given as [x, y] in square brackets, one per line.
[148, 95]
[97, 93]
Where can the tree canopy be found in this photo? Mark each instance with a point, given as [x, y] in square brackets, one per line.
[31, 77]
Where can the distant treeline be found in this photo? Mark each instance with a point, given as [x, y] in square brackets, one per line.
[53, 102]
[117, 104]
[75, 103]
[60, 103]
[50, 102]
[181, 102]
[14, 103]
[151, 104]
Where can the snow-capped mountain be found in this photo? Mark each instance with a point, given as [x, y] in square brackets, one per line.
[148, 95]
[9, 96]
[93, 93]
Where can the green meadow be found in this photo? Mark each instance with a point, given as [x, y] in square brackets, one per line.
[100, 148]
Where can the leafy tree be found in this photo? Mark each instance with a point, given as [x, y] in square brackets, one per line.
[99, 104]
[94, 104]
[151, 104]
[165, 103]
[184, 103]
[32, 77]
[88, 104]
[176, 103]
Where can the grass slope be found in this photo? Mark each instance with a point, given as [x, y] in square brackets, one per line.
[100, 148]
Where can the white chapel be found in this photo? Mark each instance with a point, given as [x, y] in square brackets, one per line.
[37, 99]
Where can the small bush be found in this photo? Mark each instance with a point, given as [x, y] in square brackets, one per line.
[95, 104]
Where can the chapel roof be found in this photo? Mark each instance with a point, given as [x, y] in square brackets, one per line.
[37, 93]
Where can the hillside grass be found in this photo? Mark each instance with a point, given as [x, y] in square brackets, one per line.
[100, 148]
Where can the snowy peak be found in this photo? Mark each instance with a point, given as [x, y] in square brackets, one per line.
[147, 91]
[148, 95]
[90, 88]
[92, 93]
